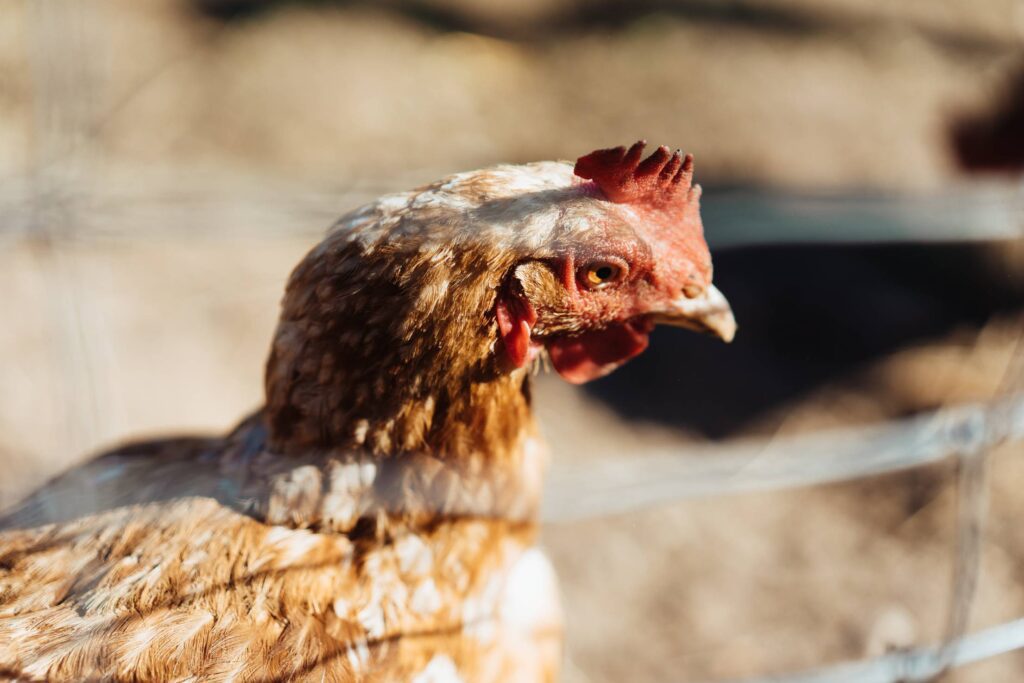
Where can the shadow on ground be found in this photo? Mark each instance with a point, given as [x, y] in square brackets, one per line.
[547, 21]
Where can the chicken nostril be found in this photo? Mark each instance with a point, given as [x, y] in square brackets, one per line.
[692, 290]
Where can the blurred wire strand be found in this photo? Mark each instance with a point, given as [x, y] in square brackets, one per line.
[144, 205]
[621, 485]
[912, 665]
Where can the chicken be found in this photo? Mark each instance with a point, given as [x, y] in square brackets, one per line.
[377, 518]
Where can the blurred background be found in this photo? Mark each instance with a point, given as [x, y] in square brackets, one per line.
[164, 164]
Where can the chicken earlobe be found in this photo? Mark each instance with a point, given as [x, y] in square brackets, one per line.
[516, 317]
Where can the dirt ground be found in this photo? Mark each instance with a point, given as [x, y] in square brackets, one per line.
[783, 92]
[142, 257]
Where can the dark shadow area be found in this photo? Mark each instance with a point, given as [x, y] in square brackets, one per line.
[560, 18]
[563, 19]
[993, 141]
[807, 315]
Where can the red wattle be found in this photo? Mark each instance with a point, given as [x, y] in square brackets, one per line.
[591, 355]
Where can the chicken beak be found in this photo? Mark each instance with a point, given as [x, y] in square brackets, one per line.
[710, 313]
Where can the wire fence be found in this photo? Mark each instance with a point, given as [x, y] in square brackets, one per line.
[911, 666]
[654, 478]
[56, 204]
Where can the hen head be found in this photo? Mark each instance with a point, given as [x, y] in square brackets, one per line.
[626, 251]
[419, 304]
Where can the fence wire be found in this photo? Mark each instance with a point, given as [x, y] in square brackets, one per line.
[920, 664]
[621, 485]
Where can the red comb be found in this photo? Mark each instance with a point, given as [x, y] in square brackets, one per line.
[625, 179]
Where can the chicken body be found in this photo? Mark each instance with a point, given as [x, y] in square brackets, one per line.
[376, 520]
[168, 571]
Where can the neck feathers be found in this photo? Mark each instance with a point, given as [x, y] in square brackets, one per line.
[391, 352]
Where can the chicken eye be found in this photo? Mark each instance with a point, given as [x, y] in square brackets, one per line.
[601, 274]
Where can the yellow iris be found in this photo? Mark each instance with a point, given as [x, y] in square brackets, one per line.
[601, 274]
